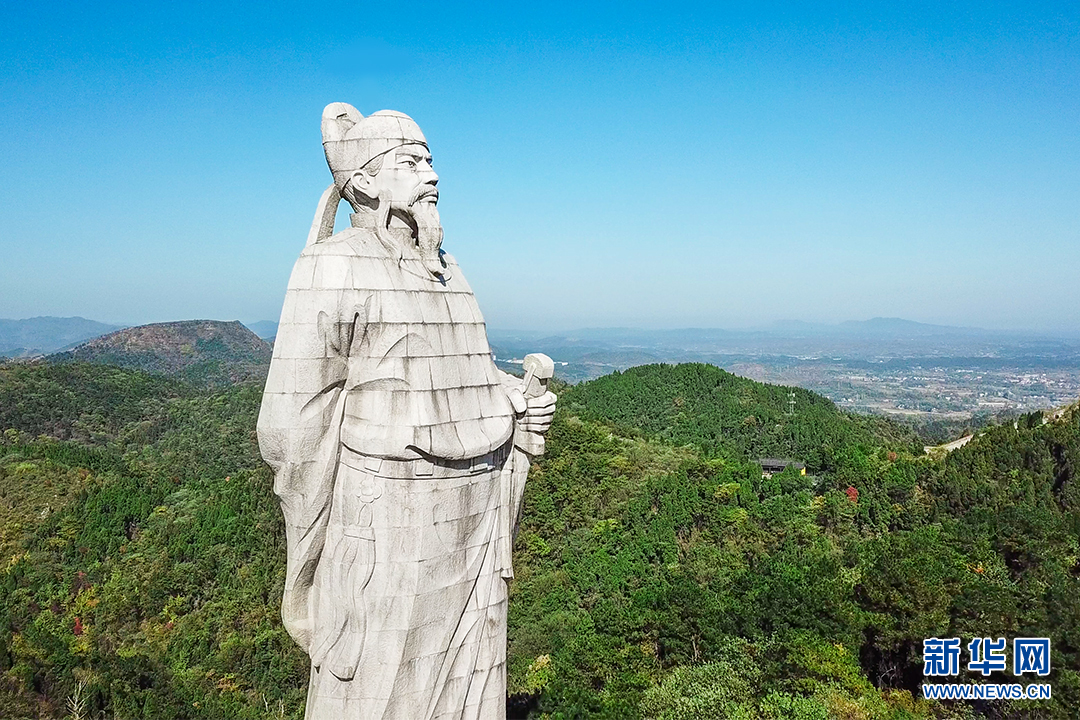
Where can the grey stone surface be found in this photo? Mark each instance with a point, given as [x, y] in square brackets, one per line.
[399, 451]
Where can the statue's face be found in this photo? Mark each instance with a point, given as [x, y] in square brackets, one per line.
[405, 189]
[406, 177]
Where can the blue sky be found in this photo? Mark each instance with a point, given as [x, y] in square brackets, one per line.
[715, 165]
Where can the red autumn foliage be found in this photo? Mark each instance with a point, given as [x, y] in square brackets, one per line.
[78, 626]
[852, 494]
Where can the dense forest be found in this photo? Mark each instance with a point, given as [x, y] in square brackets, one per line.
[660, 576]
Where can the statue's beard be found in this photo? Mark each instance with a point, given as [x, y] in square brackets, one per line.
[422, 214]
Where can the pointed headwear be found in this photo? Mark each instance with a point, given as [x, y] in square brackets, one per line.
[350, 140]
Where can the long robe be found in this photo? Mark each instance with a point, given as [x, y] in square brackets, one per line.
[389, 432]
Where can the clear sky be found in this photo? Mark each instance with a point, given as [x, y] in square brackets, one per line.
[651, 165]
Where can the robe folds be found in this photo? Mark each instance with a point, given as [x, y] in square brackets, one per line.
[390, 435]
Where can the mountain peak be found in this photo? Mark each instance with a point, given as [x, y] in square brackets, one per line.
[212, 352]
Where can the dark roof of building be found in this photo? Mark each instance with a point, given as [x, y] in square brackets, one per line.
[780, 463]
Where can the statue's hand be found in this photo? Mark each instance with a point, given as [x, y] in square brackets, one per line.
[538, 413]
[534, 422]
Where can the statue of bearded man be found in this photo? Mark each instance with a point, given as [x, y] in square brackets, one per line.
[399, 450]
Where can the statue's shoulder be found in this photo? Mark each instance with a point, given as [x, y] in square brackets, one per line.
[351, 259]
[332, 259]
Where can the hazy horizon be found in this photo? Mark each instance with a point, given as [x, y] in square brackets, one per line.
[774, 325]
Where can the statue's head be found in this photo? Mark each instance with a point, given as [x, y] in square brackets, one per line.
[381, 163]
[369, 156]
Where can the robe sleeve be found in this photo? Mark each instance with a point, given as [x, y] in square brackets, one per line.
[300, 419]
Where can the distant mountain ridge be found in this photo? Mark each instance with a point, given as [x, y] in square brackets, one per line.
[876, 326]
[881, 326]
[205, 352]
[43, 335]
[591, 352]
[265, 329]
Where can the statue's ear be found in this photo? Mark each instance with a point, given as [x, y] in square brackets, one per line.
[363, 182]
[337, 119]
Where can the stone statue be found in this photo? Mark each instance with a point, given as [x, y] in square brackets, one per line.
[399, 450]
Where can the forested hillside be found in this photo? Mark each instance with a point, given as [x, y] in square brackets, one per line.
[202, 352]
[783, 597]
[730, 416]
[658, 574]
[80, 401]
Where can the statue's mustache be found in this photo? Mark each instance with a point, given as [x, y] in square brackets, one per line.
[422, 192]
